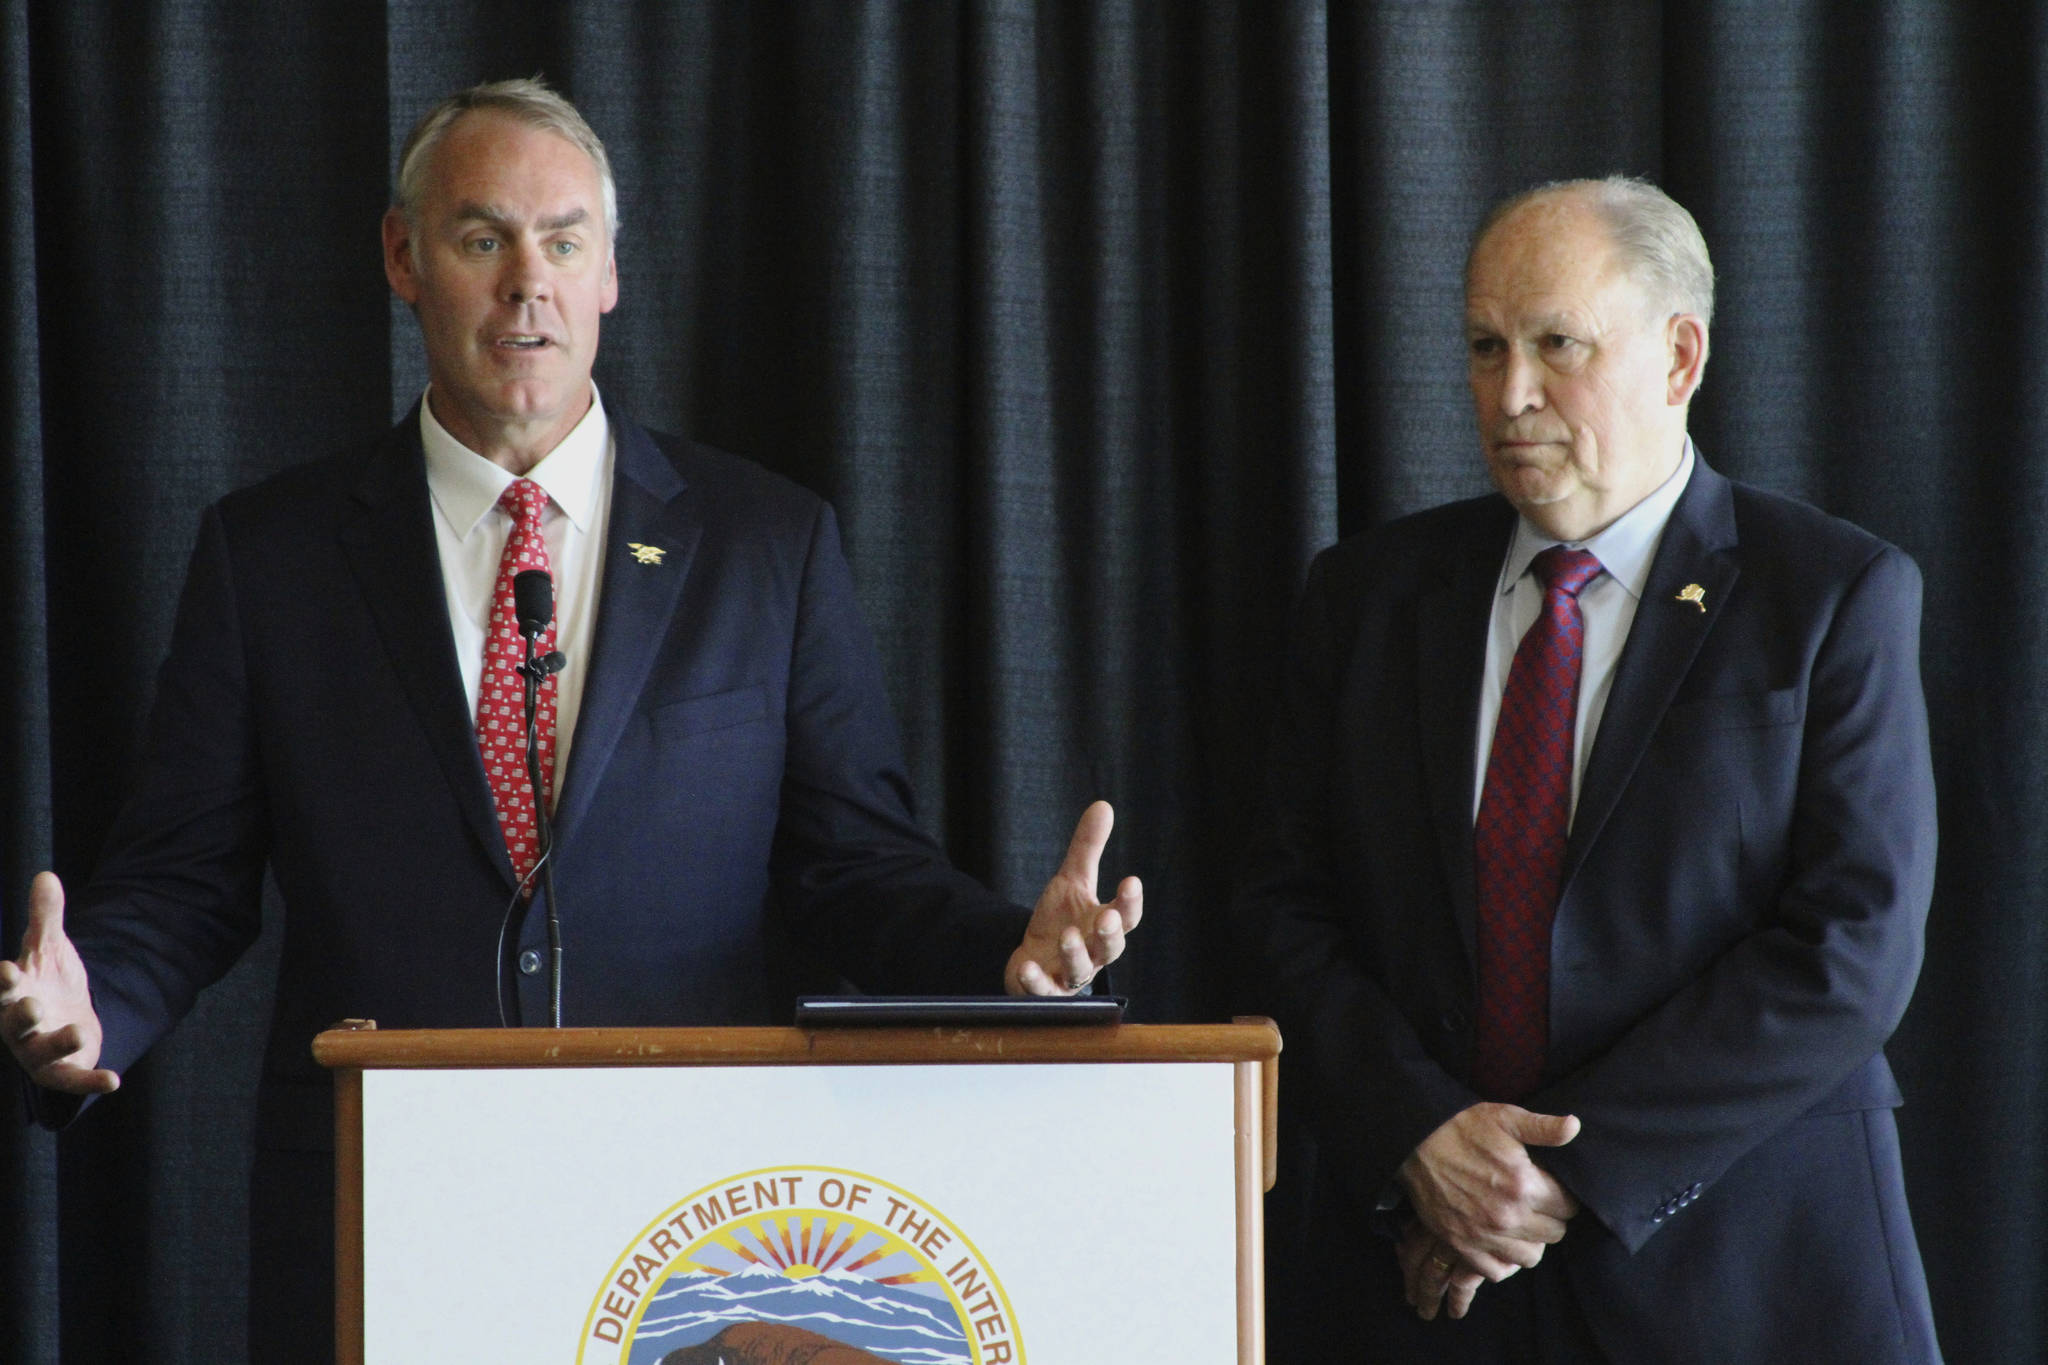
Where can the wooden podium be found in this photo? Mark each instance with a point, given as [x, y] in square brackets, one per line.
[665, 1196]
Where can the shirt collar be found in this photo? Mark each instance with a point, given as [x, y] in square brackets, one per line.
[466, 486]
[1624, 548]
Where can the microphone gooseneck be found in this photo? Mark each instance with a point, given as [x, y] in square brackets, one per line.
[533, 599]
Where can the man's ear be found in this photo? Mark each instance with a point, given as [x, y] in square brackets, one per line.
[1685, 337]
[400, 268]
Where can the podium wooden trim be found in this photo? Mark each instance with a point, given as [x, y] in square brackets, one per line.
[1251, 1045]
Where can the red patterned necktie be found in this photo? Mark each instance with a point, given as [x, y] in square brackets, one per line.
[501, 700]
[1524, 815]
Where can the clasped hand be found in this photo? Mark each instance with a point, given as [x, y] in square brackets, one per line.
[1483, 1209]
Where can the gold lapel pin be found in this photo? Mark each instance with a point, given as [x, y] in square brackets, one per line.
[651, 554]
[1695, 594]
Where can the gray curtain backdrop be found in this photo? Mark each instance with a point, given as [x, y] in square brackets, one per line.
[1095, 320]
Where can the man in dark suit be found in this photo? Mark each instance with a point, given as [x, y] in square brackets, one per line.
[731, 804]
[1596, 875]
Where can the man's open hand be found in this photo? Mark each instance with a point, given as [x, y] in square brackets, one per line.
[46, 1013]
[1072, 936]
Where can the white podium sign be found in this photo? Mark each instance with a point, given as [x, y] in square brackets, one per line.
[1003, 1202]
[734, 1196]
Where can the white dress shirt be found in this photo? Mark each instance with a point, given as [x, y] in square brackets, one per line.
[1625, 550]
[470, 530]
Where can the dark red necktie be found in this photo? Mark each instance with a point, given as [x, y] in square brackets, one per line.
[501, 699]
[1524, 815]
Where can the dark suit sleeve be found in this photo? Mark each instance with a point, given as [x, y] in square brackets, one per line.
[1800, 1003]
[176, 898]
[868, 891]
[1374, 1088]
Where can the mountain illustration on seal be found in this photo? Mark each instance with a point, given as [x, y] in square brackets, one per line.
[763, 1343]
[855, 1317]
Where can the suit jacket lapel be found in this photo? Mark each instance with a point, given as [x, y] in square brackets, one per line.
[636, 602]
[1451, 627]
[1697, 550]
[389, 546]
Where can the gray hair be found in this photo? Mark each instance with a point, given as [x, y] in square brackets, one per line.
[529, 101]
[1667, 256]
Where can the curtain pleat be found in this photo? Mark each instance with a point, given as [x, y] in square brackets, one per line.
[28, 1189]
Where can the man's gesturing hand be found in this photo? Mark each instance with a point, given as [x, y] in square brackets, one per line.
[46, 1012]
[1473, 1186]
[1071, 936]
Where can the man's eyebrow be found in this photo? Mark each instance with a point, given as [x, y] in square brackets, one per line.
[497, 216]
[570, 219]
[1541, 324]
[471, 211]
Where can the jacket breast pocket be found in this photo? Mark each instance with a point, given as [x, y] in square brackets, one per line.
[1737, 745]
[1725, 769]
[1735, 711]
[713, 711]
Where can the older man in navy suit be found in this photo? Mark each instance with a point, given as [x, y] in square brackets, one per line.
[730, 793]
[1601, 847]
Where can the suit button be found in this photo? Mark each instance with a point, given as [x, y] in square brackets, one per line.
[1452, 1021]
[529, 962]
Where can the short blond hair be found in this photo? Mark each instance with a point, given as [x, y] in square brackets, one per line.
[529, 100]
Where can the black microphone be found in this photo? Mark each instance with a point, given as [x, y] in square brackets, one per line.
[533, 602]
